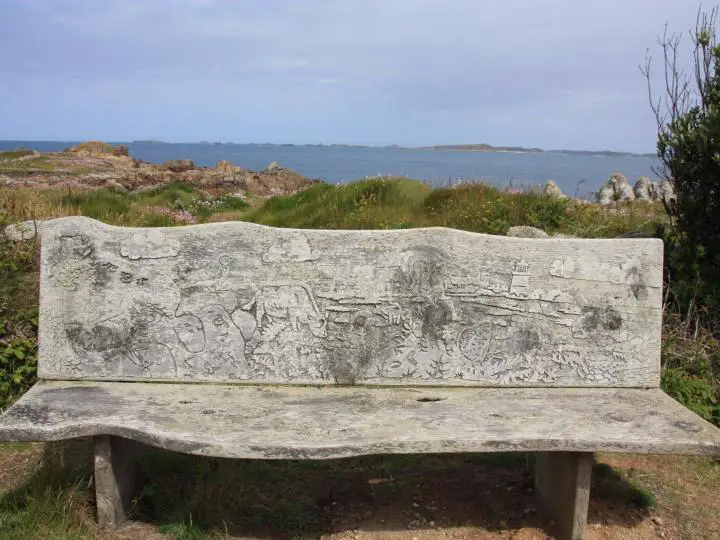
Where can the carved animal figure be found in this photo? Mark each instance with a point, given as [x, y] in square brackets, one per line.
[294, 303]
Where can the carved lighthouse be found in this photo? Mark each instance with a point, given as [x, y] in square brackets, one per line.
[520, 283]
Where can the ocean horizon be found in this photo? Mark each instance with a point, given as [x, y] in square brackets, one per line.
[578, 174]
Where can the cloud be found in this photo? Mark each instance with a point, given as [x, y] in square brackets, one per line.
[371, 71]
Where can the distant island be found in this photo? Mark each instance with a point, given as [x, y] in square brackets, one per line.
[484, 148]
[523, 150]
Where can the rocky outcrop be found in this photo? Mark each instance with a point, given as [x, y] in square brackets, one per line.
[525, 231]
[98, 148]
[617, 189]
[89, 166]
[645, 189]
[179, 165]
[552, 190]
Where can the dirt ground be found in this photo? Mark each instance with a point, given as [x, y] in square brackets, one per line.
[464, 500]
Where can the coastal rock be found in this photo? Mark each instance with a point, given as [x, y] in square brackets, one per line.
[525, 231]
[644, 189]
[179, 165]
[606, 195]
[93, 165]
[98, 148]
[273, 166]
[552, 190]
[616, 189]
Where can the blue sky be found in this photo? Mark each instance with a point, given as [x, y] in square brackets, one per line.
[547, 73]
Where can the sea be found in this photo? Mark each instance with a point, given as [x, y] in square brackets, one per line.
[578, 175]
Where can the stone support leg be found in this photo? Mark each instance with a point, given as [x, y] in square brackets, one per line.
[114, 478]
[562, 482]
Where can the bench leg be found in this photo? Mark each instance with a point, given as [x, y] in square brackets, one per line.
[114, 478]
[562, 482]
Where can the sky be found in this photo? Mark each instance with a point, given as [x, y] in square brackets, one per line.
[554, 74]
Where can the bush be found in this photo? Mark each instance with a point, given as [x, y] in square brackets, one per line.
[18, 317]
[688, 145]
[695, 393]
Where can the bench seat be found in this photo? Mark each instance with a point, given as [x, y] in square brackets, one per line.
[304, 422]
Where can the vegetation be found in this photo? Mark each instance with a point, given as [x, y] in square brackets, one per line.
[18, 318]
[191, 497]
[688, 120]
[14, 154]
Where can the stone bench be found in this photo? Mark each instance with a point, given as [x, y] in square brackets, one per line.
[311, 344]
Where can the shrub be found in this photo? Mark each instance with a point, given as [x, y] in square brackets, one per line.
[18, 316]
[688, 118]
[695, 393]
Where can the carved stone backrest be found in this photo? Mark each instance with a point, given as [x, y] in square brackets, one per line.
[248, 303]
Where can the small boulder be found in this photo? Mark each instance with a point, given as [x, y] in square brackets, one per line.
[525, 231]
[605, 195]
[616, 189]
[24, 230]
[273, 166]
[179, 165]
[644, 189]
[552, 190]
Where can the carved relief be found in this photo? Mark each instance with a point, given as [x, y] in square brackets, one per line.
[294, 250]
[416, 314]
[151, 244]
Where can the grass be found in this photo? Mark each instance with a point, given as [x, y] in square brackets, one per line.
[190, 497]
[403, 203]
[369, 204]
[40, 163]
[14, 154]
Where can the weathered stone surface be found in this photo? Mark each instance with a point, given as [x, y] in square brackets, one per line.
[114, 475]
[245, 302]
[616, 189]
[644, 189]
[562, 481]
[332, 422]
[605, 195]
[23, 230]
[524, 231]
[179, 165]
